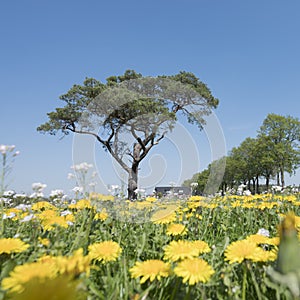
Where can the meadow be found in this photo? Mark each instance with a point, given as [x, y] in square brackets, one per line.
[102, 247]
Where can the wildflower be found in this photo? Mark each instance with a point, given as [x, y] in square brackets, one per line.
[104, 251]
[194, 270]
[177, 250]
[164, 216]
[245, 249]
[103, 215]
[201, 246]
[81, 204]
[27, 218]
[264, 232]
[72, 265]
[58, 288]
[176, 229]
[12, 246]
[42, 205]
[24, 273]
[44, 242]
[6, 148]
[150, 269]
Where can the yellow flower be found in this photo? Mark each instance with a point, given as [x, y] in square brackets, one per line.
[73, 265]
[150, 269]
[45, 242]
[105, 251]
[59, 288]
[176, 229]
[41, 205]
[194, 270]
[24, 273]
[201, 246]
[81, 204]
[164, 216]
[49, 224]
[244, 249]
[12, 246]
[103, 215]
[180, 250]
[151, 199]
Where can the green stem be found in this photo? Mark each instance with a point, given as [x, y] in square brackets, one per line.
[244, 282]
[259, 297]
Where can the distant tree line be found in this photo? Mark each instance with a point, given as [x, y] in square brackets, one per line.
[272, 153]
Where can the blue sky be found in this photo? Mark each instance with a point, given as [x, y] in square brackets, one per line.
[247, 52]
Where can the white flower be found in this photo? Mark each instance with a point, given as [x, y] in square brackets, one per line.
[82, 167]
[23, 206]
[70, 223]
[77, 189]
[9, 216]
[8, 193]
[16, 235]
[38, 187]
[264, 232]
[71, 176]
[6, 148]
[28, 218]
[16, 153]
[65, 212]
[56, 193]
[20, 196]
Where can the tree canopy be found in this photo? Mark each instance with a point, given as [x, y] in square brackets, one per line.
[274, 151]
[144, 108]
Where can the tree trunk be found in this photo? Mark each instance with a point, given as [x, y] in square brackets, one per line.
[257, 185]
[278, 182]
[282, 177]
[267, 182]
[133, 173]
[132, 182]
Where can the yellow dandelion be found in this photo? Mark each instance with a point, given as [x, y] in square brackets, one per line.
[105, 251]
[177, 250]
[42, 205]
[74, 264]
[240, 250]
[45, 242]
[201, 246]
[24, 273]
[58, 288]
[102, 215]
[194, 270]
[81, 204]
[258, 239]
[151, 199]
[176, 229]
[12, 246]
[164, 216]
[150, 269]
[49, 224]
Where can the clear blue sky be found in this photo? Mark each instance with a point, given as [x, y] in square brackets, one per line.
[246, 51]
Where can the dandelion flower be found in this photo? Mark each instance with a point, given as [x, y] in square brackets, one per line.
[102, 215]
[105, 251]
[201, 246]
[194, 270]
[150, 269]
[41, 205]
[176, 229]
[244, 249]
[58, 288]
[24, 273]
[177, 250]
[164, 216]
[12, 246]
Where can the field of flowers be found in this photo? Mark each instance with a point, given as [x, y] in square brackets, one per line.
[106, 248]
